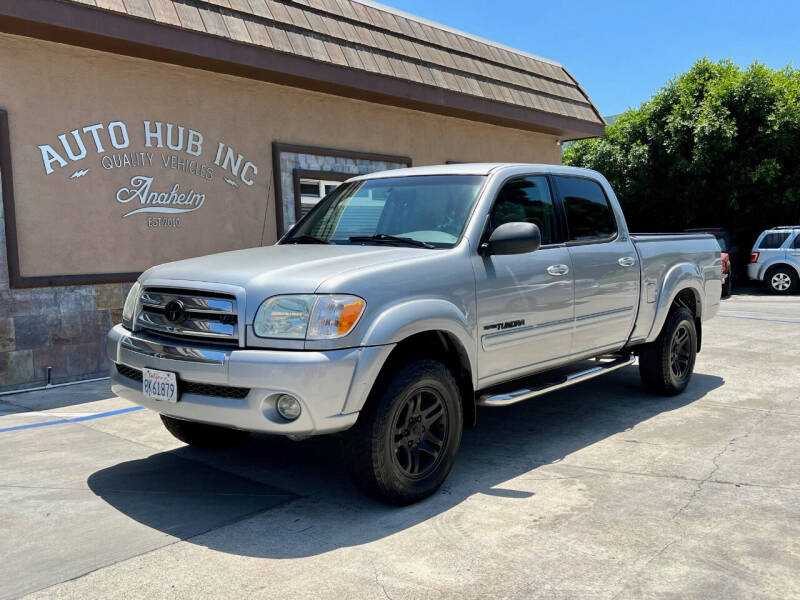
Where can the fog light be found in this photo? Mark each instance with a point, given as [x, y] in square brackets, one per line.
[288, 407]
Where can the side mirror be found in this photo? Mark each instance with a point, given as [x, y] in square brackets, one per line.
[513, 238]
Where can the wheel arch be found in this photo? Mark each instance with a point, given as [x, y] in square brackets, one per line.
[683, 286]
[436, 344]
[774, 262]
[780, 262]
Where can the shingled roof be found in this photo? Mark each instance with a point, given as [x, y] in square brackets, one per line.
[354, 45]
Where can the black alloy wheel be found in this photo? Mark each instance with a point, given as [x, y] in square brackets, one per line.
[407, 435]
[420, 432]
[666, 364]
[680, 353]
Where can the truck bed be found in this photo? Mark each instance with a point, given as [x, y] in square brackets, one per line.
[666, 260]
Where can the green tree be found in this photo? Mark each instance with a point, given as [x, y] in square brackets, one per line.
[717, 146]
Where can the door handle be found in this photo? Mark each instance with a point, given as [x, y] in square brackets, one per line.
[558, 270]
[626, 261]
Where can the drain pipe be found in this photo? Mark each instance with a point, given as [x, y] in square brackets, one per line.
[49, 385]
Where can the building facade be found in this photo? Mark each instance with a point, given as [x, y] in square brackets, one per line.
[138, 132]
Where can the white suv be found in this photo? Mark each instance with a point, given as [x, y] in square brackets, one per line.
[775, 259]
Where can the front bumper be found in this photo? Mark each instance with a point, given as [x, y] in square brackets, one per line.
[324, 382]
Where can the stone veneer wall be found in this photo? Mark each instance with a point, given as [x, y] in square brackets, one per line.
[59, 327]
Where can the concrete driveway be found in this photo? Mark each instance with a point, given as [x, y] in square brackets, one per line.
[598, 491]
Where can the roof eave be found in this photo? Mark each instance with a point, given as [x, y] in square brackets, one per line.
[108, 31]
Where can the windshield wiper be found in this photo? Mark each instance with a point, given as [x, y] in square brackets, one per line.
[307, 239]
[391, 239]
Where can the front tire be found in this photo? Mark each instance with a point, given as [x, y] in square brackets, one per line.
[782, 280]
[201, 435]
[407, 436]
[666, 365]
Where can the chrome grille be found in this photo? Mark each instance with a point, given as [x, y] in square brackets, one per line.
[185, 314]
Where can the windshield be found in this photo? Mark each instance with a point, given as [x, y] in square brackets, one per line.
[427, 211]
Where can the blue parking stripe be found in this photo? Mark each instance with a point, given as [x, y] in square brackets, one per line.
[110, 413]
[758, 319]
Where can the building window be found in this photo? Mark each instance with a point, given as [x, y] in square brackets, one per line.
[319, 170]
[314, 190]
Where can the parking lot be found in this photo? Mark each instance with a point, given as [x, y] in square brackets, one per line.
[598, 491]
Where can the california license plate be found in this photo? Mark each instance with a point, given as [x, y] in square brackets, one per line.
[160, 385]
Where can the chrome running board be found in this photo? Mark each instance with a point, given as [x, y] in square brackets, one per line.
[606, 366]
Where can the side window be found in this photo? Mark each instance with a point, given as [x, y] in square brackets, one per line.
[589, 215]
[526, 199]
[773, 240]
[797, 241]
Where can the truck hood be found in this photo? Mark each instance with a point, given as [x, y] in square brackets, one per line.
[287, 269]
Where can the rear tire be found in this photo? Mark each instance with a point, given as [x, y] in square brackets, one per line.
[666, 365]
[726, 289]
[407, 436]
[782, 280]
[201, 435]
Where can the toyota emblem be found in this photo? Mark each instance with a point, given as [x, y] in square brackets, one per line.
[175, 312]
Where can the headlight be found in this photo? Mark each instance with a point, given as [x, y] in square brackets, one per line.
[130, 305]
[284, 317]
[308, 317]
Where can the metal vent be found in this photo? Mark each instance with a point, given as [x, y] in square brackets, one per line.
[189, 314]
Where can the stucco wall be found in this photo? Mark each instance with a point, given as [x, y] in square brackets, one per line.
[71, 224]
[58, 327]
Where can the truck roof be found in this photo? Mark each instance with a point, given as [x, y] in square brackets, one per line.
[477, 169]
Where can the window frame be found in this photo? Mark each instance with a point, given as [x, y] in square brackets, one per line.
[778, 247]
[559, 231]
[571, 243]
[330, 176]
[321, 185]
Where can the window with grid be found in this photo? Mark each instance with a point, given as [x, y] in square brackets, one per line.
[314, 190]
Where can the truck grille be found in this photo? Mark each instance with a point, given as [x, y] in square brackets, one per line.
[183, 314]
[191, 387]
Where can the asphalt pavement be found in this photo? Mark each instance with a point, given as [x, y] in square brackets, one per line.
[596, 491]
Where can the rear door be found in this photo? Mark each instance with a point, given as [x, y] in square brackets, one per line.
[524, 300]
[794, 250]
[605, 267]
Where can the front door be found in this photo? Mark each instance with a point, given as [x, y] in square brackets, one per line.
[605, 266]
[525, 309]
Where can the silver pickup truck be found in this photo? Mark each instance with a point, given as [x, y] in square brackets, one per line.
[405, 299]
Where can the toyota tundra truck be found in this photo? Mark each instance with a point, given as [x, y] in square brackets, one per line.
[404, 300]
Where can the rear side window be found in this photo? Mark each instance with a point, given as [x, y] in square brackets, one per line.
[589, 215]
[526, 199]
[797, 241]
[773, 240]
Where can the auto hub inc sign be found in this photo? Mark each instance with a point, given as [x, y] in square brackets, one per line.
[139, 155]
[104, 198]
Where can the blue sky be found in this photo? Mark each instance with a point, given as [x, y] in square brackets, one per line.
[622, 51]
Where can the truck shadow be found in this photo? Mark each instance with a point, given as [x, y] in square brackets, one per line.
[309, 506]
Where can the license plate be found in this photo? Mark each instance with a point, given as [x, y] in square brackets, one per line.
[160, 385]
